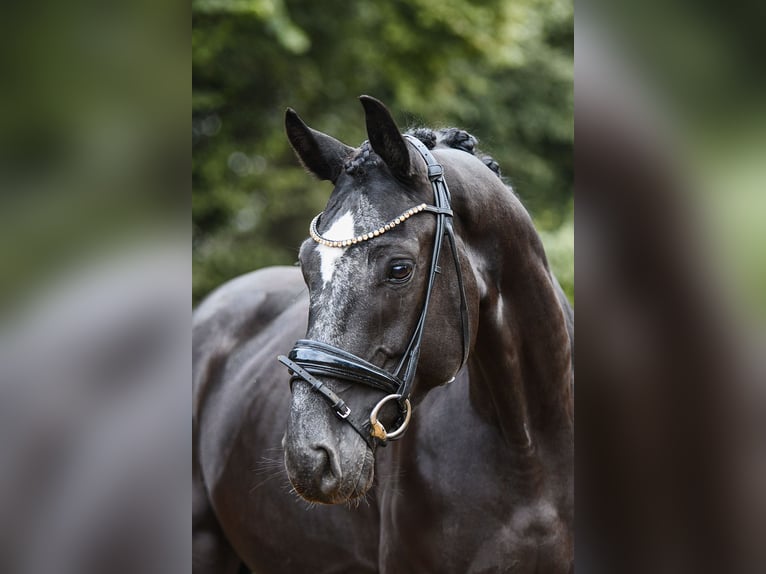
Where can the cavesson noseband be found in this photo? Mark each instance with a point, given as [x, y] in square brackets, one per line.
[309, 359]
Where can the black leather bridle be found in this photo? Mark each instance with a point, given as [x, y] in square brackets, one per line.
[311, 359]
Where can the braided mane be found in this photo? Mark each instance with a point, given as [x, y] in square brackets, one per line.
[449, 137]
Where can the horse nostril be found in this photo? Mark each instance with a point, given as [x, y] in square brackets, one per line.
[328, 469]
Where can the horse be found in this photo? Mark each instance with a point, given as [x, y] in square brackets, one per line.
[425, 421]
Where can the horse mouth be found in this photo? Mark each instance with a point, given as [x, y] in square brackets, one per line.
[349, 487]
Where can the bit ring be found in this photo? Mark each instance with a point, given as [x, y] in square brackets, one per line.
[378, 430]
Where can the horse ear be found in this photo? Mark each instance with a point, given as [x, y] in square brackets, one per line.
[321, 154]
[385, 138]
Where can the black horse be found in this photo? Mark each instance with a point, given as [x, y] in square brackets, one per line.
[482, 479]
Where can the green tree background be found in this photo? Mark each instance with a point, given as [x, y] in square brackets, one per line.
[502, 70]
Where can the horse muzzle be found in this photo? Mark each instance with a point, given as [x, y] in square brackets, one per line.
[326, 462]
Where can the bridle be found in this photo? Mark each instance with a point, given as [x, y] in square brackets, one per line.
[309, 359]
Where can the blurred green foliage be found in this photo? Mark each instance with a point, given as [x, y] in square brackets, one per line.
[502, 70]
[94, 110]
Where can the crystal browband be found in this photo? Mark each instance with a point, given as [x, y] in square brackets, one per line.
[365, 236]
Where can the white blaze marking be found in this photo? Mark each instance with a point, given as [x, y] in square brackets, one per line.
[342, 228]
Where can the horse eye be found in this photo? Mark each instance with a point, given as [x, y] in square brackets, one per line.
[400, 272]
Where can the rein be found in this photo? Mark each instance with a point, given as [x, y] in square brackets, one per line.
[309, 359]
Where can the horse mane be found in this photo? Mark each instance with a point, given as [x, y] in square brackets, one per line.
[450, 137]
[457, 139]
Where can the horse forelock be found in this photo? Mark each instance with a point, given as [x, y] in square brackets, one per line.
[363, 157]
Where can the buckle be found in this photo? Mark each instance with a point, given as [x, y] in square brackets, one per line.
[343, 415]
[435, 171]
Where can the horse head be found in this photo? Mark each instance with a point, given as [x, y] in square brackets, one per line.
[393, 299]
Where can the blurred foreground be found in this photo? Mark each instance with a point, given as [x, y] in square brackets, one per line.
[94, 419]
[671, 293]
[94, 289]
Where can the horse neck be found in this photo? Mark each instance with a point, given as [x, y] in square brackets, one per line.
[520, 368]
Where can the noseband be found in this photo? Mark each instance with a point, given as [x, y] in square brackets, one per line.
[309, 359]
